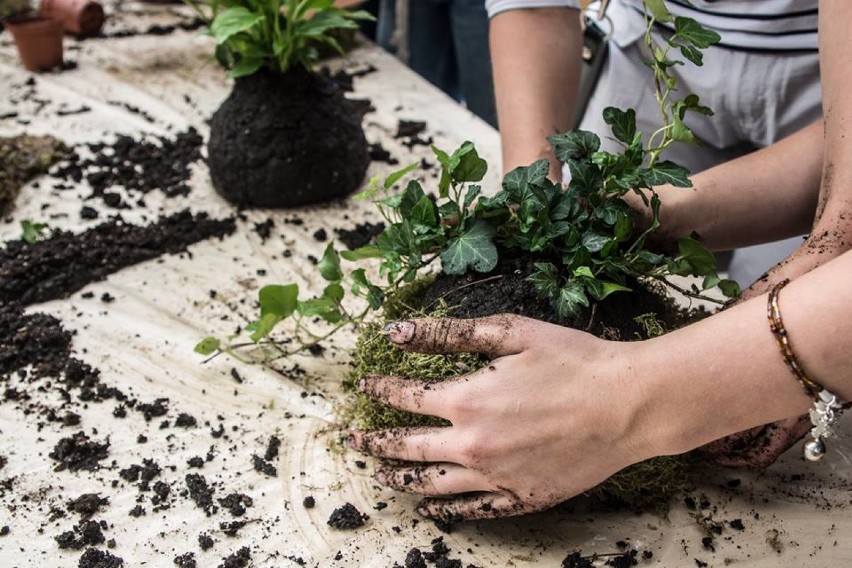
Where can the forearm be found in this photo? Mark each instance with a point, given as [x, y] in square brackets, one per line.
[727, 369]
[536, 59]
[764, 196]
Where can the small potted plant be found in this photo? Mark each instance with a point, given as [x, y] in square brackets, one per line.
[83, 18]
[286, 136]
[38, 38]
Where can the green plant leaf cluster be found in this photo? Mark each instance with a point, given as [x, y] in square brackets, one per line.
[274, 34]
[31, 231]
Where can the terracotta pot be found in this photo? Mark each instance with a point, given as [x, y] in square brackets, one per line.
[78, 17]
[39, 41]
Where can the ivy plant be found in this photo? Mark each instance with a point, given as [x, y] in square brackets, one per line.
[273, 34]
[583, 237]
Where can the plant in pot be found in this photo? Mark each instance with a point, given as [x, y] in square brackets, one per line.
[37, 38]
[575, 256]
[285, 136]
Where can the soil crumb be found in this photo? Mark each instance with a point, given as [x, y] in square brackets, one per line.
[361, 235]
[239, 559]
[94, 558]
[56, 267]
[347, 517]
[79, 453]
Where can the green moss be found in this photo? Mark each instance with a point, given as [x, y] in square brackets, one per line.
[646, 486]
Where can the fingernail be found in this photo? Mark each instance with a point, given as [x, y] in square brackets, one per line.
[349, 440]
[399, 331]
[362, 384]
[422, 511]
[381, 478]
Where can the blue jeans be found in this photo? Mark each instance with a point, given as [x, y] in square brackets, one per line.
[448, 45]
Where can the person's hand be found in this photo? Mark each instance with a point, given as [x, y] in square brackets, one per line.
[556, 412]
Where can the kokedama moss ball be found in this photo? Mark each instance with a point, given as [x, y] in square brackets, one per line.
[286, 140]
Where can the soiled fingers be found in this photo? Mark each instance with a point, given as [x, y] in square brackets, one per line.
[495, 336]
[758, 447]
[406, 444]
[436, 479]
[472, 507]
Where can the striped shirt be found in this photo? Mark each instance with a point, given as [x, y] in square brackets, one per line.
[762, 25]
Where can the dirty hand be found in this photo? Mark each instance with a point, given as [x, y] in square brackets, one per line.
[555, 412]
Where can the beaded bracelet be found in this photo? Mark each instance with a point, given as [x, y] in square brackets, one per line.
[827, 408]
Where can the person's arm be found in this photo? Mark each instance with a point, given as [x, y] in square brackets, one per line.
[764, 196]
[559, 410]
[536, 59]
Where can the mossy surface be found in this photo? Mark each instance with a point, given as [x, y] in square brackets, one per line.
[21, 159]
[646, 486]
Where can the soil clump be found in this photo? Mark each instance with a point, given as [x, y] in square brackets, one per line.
[347, 517]
[62, 264]
[22, 158]
[360, 235]
[286, 140]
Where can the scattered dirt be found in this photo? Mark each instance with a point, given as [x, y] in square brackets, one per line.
[79, 452]
[239, 559]
[347, 517]
[94, 558]
[62, 264]
[87, 504]
[139, 166]
[259, 157]
[409, 128]
[22, 158]
[378, 153]
[362, 234]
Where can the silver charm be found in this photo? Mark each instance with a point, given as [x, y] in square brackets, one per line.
[815, 450]
[824, 417]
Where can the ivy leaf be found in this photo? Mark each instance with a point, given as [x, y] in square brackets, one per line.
[605, 288]
[278, 300]
[658, 10]
[264, 326]
[623, 123]
[594, 241]
[574, 145]
[667, 172]
[473, 249]
[571, 297]
[545, 279]
[470, 166]
[30, 232]
[366, 251]
[207, 346]
[586, 178]
[517, 182]
[693, 258]
[412, 194]
[729, 288]
[329, 265]
[473, 192]
[233, 21]
[399, 174]
[691, 31]
[424, 213]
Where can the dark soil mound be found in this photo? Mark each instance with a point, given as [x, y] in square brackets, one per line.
[58, 266]
[285, 141]
[507, 290]
[21, 159]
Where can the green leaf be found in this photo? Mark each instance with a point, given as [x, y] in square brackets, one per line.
[424, 213]
[265, 325]
[623, 123]
[691, 31]
[233, 21]
[329, 265]
[472, 250]
[207, 346]
[693, 258]
[545, 279]
[366, 251]
[574, 145]
[583, 271]
[667, 172]
[470, 196]
[399, 174]
[594, 241]
[658, 10]
[278, 300]
[729, 288]
[608, 288]
[246, 66]
[470, 166]
[517, 182]
[571, 297]
[410, 197]
[586, 178]
[30, 232]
